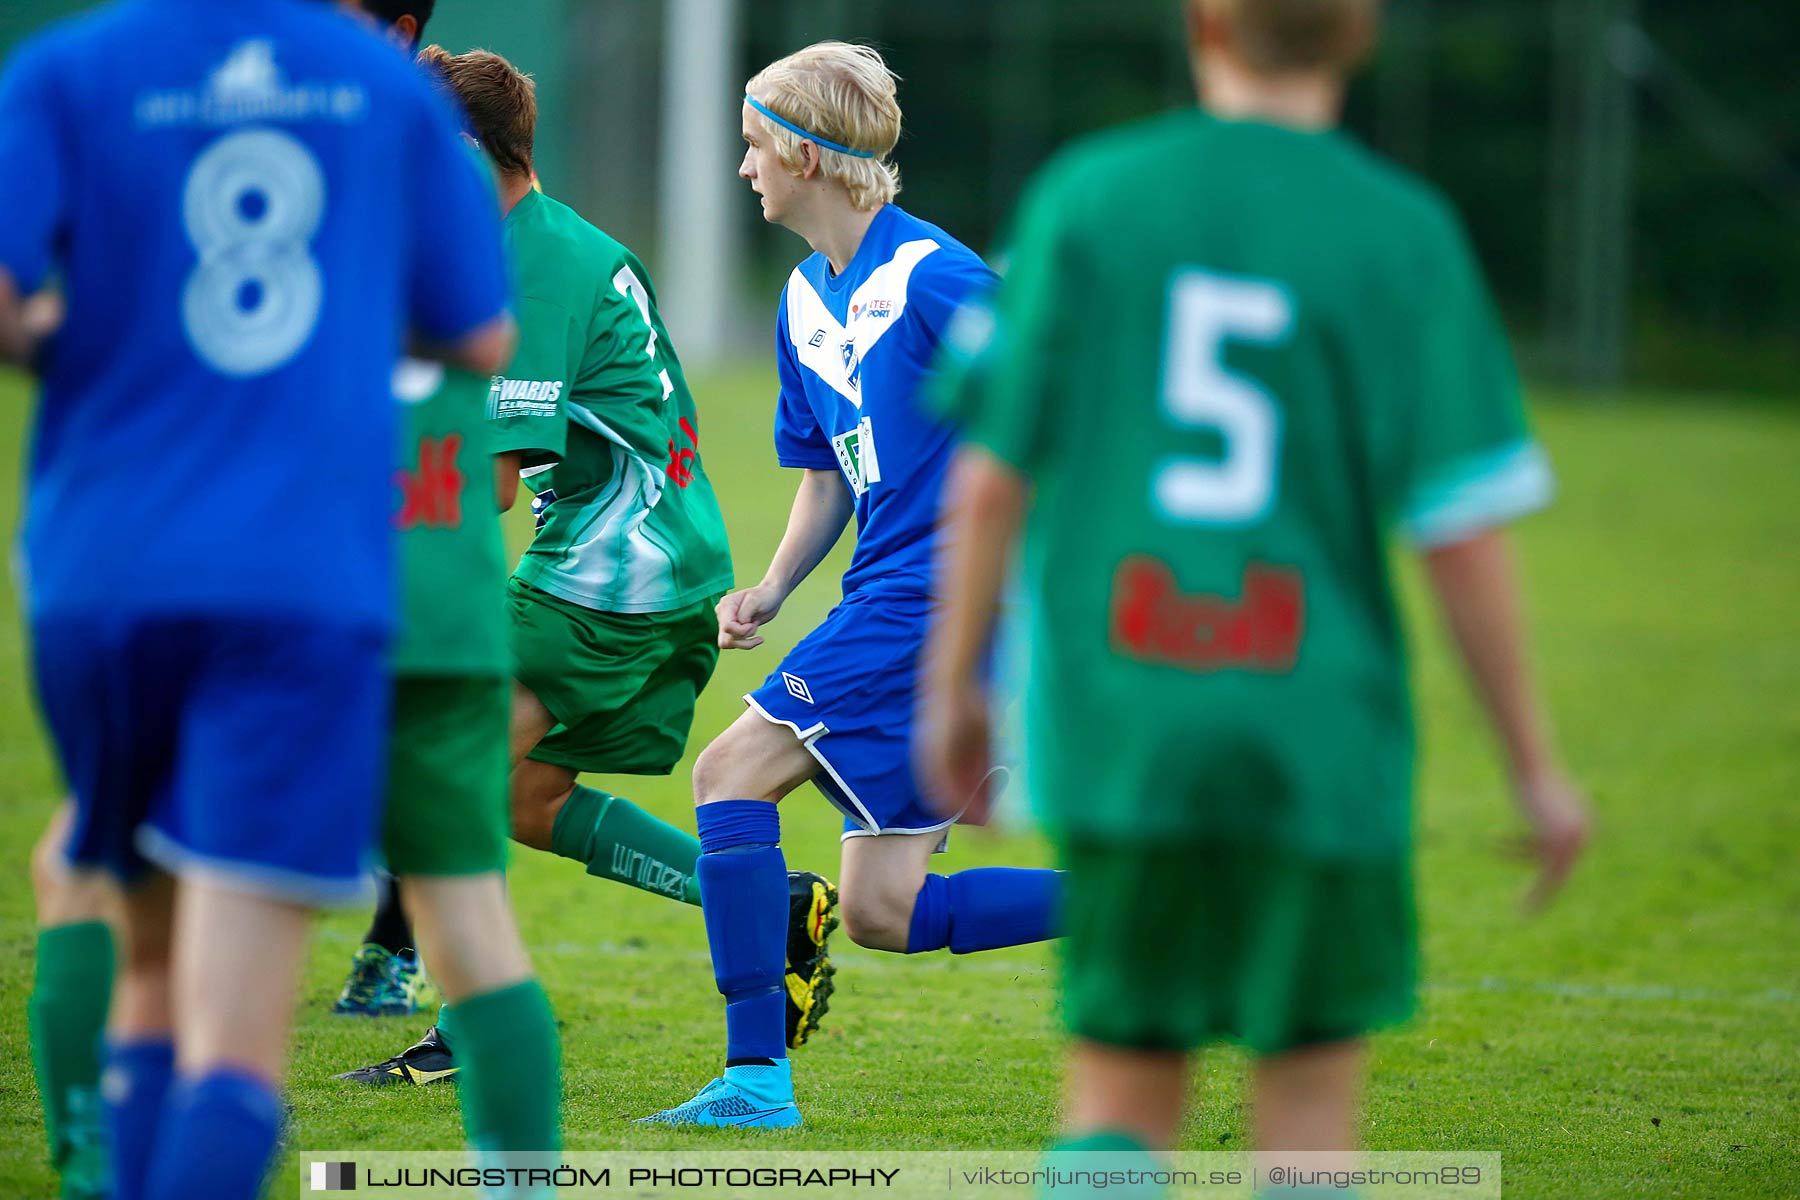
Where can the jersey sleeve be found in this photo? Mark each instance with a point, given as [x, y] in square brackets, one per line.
[31, 148]
[1470, 462]
[458, 278]
[799, 441]
[939, 290]
[999, 362]
[527, 407]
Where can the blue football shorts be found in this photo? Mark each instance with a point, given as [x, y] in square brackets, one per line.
[847, 692]
[242, 751]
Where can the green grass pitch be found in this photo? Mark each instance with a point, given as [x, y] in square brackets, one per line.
[1642, 1038]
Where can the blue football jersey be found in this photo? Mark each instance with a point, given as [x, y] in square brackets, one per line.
[854, 351]
[247, 204]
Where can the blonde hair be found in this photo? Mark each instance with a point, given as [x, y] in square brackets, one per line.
[845, 94]
[1277, 36]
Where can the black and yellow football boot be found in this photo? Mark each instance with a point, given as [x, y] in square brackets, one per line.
[812, 915]
[426, 1061]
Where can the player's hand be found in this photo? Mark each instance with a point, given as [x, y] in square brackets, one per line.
[953, 754]
[741, 614]
[1560, 826]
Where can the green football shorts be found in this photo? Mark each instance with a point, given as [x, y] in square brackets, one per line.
[621, 686]
[1174, 945]
[447, 809]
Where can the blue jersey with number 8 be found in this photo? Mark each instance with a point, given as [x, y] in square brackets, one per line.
[247, 204]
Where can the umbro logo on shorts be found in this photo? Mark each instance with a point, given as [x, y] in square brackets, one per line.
[796, 687]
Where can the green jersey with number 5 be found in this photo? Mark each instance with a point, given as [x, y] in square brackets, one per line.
[1227, 388]
[596, 401]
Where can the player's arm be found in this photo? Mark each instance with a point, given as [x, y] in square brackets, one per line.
[999, 379]
[26, 322]
[822, 507]
[484, 350]
[528, 414]
[506, 478]
[984, 502]
[1471, 468]
[1477, 590]
[30, 215]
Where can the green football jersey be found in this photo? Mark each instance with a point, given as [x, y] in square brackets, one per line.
[1228, 385]
[453, 562]
[596, 400]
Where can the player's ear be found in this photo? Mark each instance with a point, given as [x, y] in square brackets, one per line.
[407, 27]
[1208, 28]
[810, 161]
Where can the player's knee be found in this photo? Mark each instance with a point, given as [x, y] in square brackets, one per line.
[877, 920]
[147, 954]
[49, 870]
[538, 786]
[713, 773]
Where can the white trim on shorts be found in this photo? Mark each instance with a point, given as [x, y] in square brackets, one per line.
[809, 738]
[296, 887]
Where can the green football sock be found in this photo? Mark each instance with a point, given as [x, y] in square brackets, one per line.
[615, 839]
[67, 1012]
[511, 1059]
[445, 1021]
[1103, 1141]
[1070, 1157]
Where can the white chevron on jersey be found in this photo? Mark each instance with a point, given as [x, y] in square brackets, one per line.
[833, 351]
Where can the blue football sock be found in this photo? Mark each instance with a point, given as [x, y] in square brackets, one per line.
[985, 909]
[218, 1135]
[744, 899]
[134, 1085]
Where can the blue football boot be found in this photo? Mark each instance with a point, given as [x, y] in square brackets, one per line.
[748, 1097]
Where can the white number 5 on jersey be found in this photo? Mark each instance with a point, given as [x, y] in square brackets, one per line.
[1206, 311]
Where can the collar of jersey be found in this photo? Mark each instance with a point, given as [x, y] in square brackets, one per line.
[836, 285]
[524, 207]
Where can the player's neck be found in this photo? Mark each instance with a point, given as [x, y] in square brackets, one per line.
[513, 188]
[836, 230]
[1308, 100]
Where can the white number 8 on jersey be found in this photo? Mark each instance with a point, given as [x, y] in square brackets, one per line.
[252, 203]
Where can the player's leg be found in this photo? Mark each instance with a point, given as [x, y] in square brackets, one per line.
[222, 1116]
[140, 1032]
[608, 835]
[1306, 1099]
[446, 835]
[1124, 1098]
[113, 711]
[738, 779]
[892, 902]
[506, 1042]
[72, 981]
[387, 978]
[259, 830]
[612, 693]
[1143, 986]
